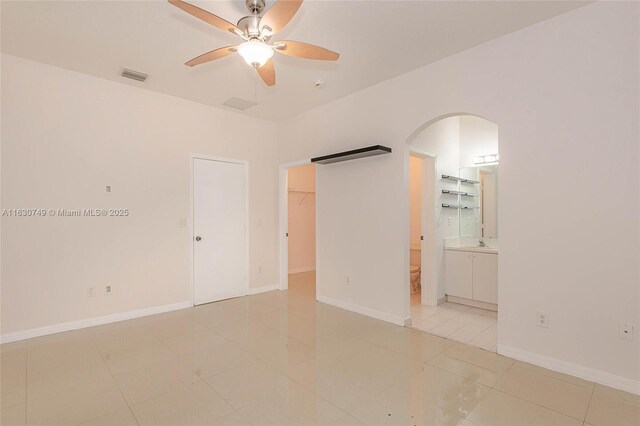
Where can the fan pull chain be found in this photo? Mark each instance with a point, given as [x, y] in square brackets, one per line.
[255, 88]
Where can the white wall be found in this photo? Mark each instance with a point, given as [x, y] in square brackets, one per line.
[477, 137]
[301, 216]
[65, 136]
[564, 94]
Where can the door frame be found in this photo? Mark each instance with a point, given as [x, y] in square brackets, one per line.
[283, 221]
[428, 282]
[192, 158]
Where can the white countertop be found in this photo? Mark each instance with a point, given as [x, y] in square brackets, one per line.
[478, 249]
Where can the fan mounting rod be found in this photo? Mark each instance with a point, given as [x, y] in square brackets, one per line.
[255, 6]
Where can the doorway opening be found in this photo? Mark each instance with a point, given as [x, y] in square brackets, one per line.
[299, 257]
[422, 278]
[454, 212]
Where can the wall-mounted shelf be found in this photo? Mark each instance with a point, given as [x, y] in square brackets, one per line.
[297, 191]
[457, 179]
[458, 206]
[465, 194]
[369, 151]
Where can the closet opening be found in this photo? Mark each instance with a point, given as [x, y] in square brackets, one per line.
[298, 224]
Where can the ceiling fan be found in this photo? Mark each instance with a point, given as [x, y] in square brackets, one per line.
[256, 31]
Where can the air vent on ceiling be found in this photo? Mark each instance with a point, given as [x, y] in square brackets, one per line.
[238, 103]
[134, 75]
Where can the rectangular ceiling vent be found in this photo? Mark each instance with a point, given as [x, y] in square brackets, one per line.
[134, 75]
[239, 104]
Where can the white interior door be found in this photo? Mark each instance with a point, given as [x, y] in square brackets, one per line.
[219, 230]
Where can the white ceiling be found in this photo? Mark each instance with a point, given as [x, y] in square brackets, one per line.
[377, 40]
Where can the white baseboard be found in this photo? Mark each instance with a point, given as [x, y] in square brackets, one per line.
[474, 303]
[364, 311]
[90, 322]
[300, 270]
[263, 289]
[586, 373]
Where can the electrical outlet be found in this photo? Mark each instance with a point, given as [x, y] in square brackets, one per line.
[260, 269]
[348, 280]
[108, 188]
[626, 331]
[449, 220]
[107, 290]
[91, 291]
[542, 320]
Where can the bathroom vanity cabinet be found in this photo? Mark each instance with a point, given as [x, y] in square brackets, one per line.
[471, 276]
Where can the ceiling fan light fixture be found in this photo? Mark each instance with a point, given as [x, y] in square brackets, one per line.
[255, 53]
[256, 31]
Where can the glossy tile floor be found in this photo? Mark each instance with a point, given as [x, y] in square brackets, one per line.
[280, 358]
[473, 326]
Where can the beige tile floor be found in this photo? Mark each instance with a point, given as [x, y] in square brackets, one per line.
[280, 358]
[473, 326]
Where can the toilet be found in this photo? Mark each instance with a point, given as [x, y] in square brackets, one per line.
[414, 271]
[415, 279]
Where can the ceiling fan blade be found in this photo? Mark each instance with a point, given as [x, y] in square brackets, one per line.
[267, 73]
[207, 17]
[212, 56]
[306, 50]
[279, 15]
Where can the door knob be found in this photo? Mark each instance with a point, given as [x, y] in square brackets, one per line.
[198, 238]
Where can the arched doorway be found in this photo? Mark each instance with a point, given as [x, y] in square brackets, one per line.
[453, 188]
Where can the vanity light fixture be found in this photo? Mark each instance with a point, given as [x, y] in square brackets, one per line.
[486, 159]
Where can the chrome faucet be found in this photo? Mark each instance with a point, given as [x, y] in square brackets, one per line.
[481, 243]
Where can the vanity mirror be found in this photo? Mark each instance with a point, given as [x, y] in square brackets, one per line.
[479, 215]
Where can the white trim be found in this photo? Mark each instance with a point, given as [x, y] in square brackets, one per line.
[364, 311]
[90, 322]
[263, 289]
[300, 270]
[586, 373]
[192, 157]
